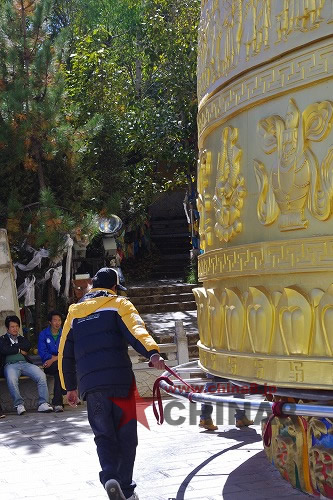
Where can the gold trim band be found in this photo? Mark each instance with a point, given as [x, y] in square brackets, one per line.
[286, 371]
[268, 82]
[277, 257]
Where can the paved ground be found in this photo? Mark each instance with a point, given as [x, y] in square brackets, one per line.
[53, 456]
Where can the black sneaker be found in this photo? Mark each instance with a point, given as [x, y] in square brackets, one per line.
[113, 489]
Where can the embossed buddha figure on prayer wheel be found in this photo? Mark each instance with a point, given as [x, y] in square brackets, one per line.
[297, 178]
[265, 197]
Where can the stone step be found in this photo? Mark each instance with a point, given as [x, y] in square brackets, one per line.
[156, 289]
[174, 256]
[170, 235]
[171, 232]
[165, 337]
[170, 265]
[174, 242]
[162, 299]
[168, 223]
[168, 307]
[174, 274]
[182, 249]
[162, 324]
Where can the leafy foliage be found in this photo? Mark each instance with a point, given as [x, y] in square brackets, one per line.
[97, 110]
[138, 69]
[40, 149]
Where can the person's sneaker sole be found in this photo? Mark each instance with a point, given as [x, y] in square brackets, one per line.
[113, 489]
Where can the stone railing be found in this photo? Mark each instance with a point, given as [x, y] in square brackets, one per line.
[175, 353]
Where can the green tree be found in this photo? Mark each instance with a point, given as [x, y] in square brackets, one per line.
[97, 104]
[40, 148]
[138, 68]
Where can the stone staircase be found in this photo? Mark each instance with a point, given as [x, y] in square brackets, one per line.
[160, 304]
[172, 240]
[163, 298]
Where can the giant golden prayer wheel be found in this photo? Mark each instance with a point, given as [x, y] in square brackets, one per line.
[265, 194]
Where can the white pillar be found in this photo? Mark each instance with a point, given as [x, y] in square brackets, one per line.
[181, 342]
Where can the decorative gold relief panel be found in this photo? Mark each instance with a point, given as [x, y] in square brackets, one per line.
[306, 255]
[265, 310]
[230, 189]
[297, 179]
[321, 467]
[204, 200]
[320, 450]
[217, 309]
[265, 76]
[289, 327]
[234, 319]
[235, 35]
[289, 451]
[305, 67]
[284, 371]
[221, 190]
[201, 299]
[295, 321]
[324, 311]
[260, 315]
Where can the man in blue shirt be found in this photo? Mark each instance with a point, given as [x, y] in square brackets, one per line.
[48, 345]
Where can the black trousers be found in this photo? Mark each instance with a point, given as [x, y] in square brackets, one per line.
[115, 436]
[58, 392]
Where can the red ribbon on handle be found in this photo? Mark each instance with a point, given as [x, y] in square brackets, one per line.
[159, 414]
[277, 411]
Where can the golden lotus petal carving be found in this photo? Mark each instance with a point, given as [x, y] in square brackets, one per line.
[201, 299]
[325, 315]
[234, 319]
[216, 299]
[260, 319]
[295, 320]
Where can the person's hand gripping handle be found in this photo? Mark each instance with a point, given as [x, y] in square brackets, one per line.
[157, 362]
[72, 398]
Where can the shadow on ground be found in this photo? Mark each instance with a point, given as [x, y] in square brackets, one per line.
[35, 432]
[246, 436]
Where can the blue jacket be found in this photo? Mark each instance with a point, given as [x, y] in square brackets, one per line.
[47, 347]
[93, 351]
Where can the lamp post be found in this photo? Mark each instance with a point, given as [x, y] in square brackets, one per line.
[110, 227]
